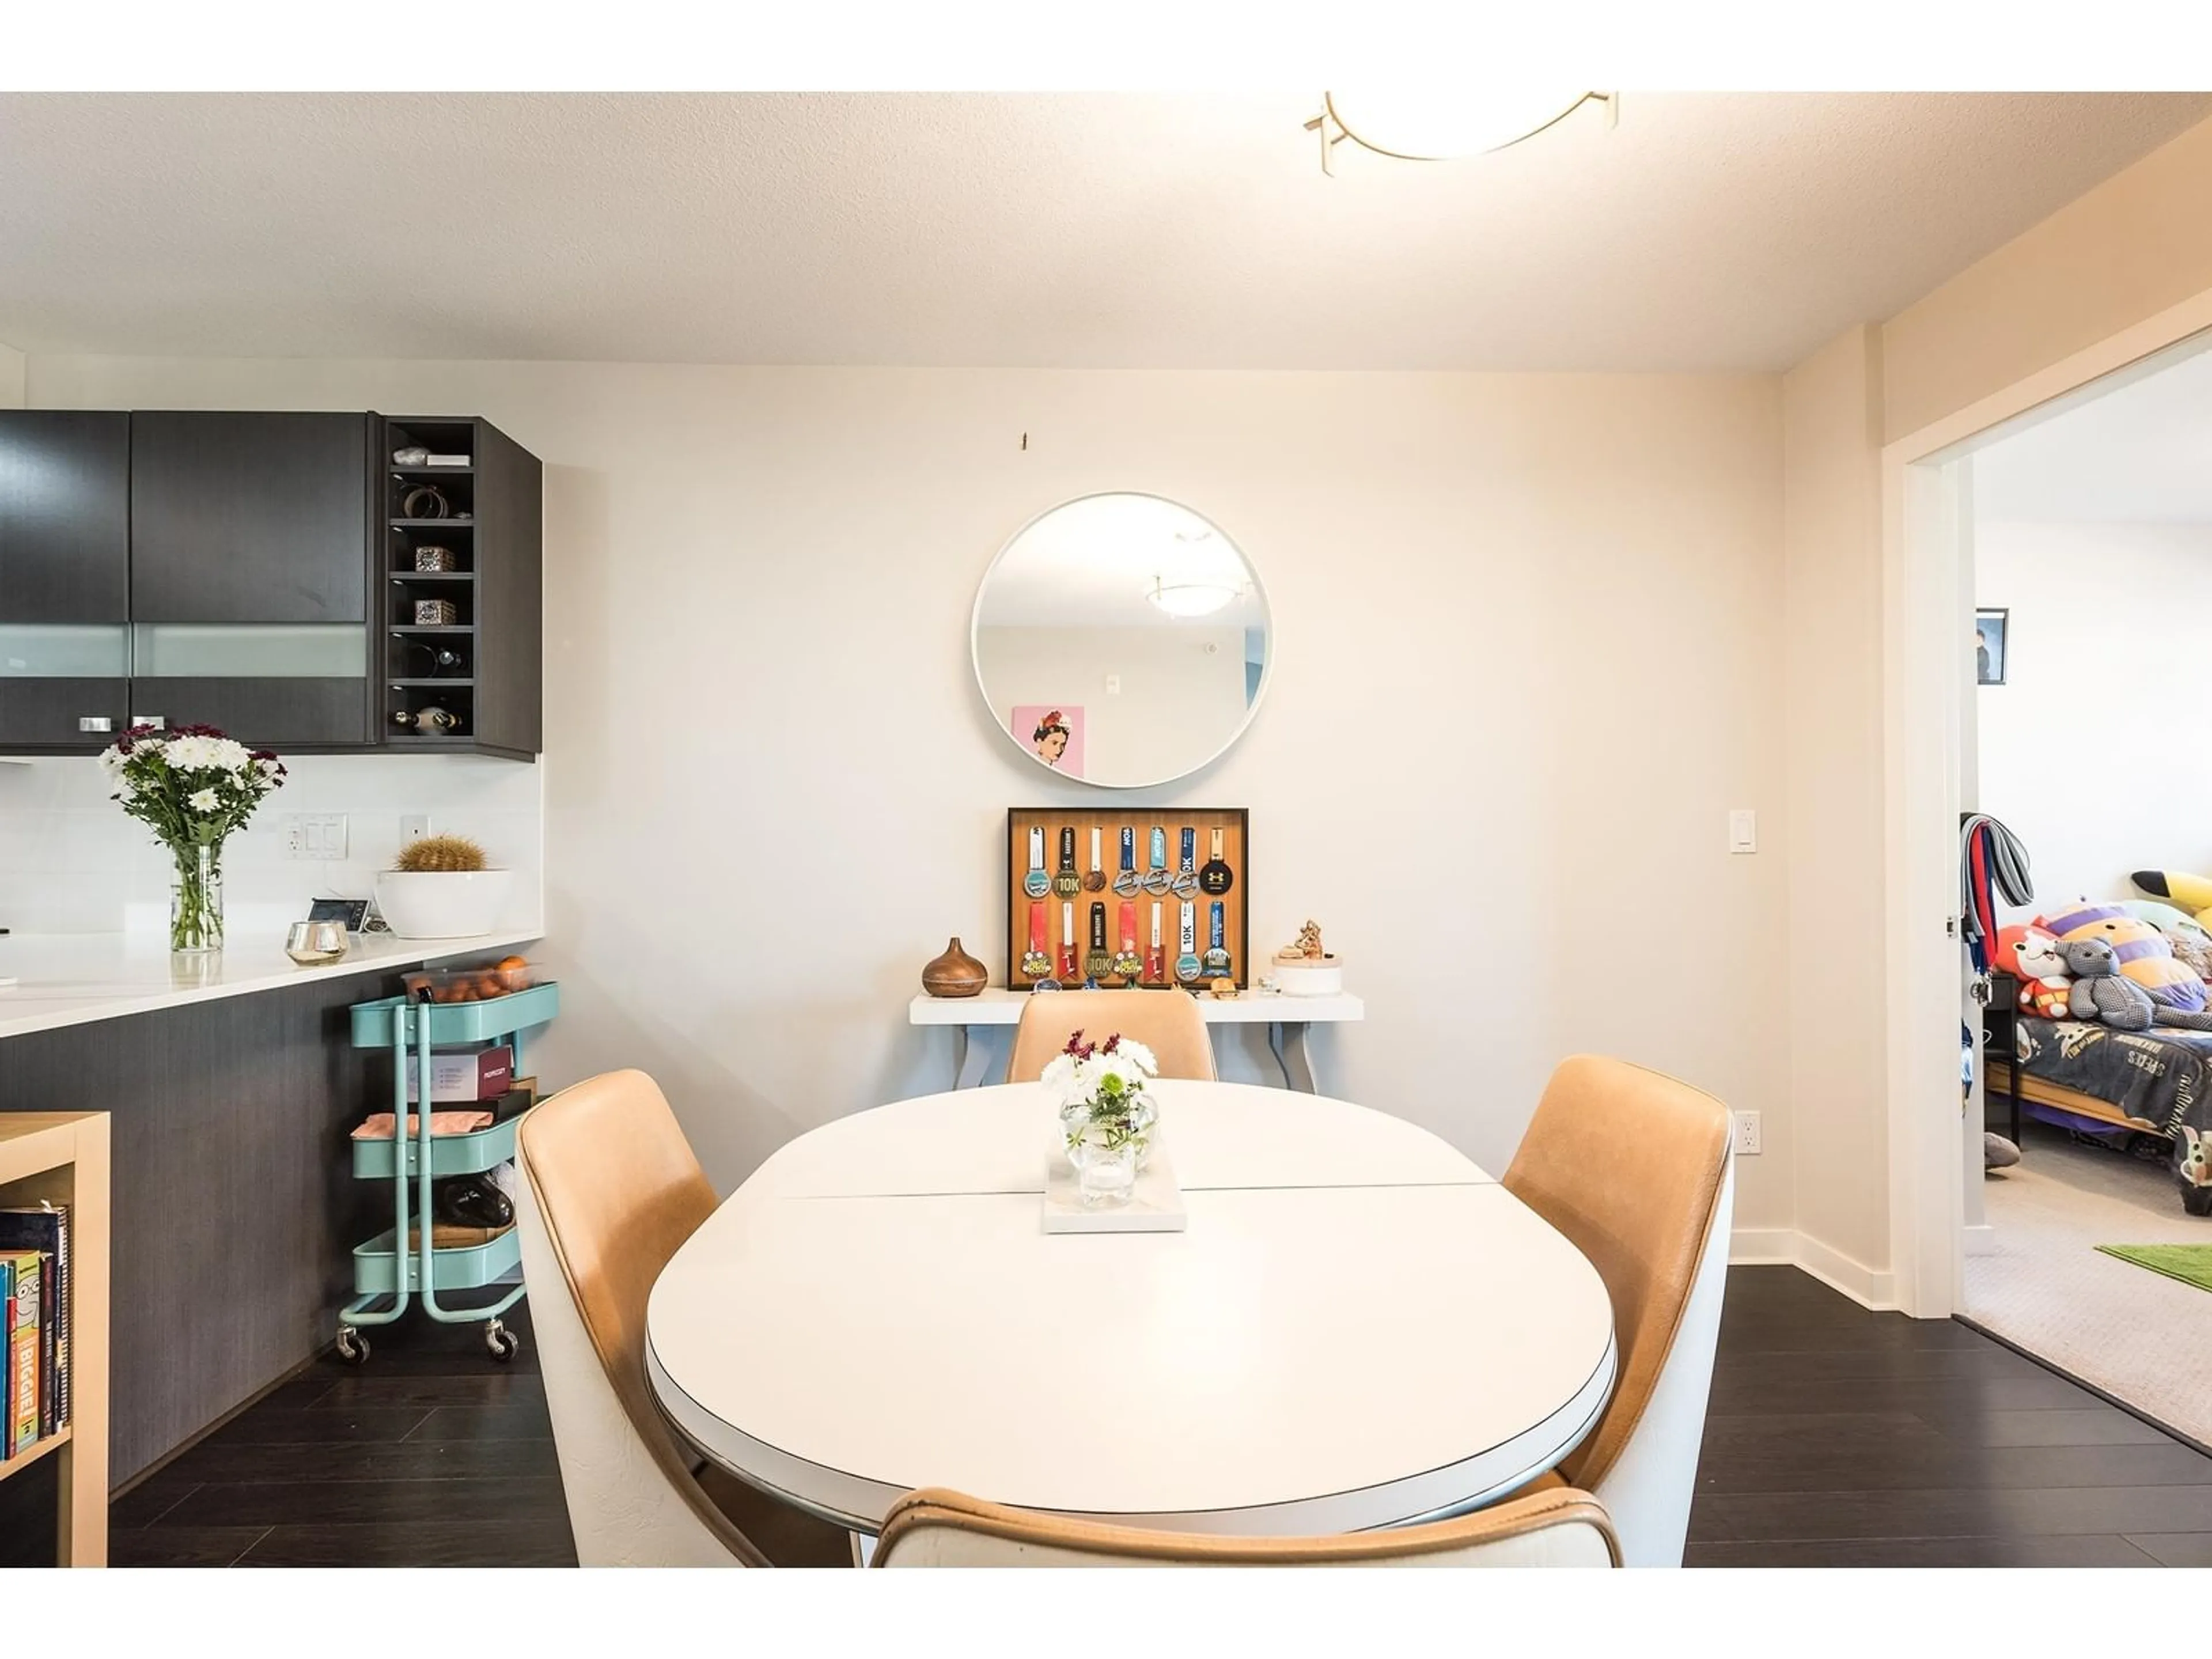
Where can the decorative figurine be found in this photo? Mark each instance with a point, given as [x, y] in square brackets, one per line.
[1225, 989]
[1305, 969]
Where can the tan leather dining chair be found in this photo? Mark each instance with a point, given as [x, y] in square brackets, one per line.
[1166, 1022]
[933, 1527]
[1634, 1167]
[608, 1190]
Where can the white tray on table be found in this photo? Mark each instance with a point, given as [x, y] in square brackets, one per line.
[1156, 1206]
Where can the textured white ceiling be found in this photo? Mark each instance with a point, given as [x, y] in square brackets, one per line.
[2140, 454]
[1707, 232]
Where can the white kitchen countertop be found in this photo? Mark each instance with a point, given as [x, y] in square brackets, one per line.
[70, 979]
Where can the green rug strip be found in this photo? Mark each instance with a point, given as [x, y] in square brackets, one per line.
[2190, 1263]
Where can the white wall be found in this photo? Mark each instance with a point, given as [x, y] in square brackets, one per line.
[1182, 690]
[1529, 631]
[2109, 262]
[2092, 752]
[11, 378]
[1833, 701]
[70, 862]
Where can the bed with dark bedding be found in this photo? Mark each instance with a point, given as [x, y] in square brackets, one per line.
[2091, 1076]
[2160, 1079]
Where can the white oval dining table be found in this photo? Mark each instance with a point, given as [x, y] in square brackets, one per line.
[1357, 1327]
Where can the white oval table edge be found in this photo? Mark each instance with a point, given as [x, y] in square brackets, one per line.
[859, 1503]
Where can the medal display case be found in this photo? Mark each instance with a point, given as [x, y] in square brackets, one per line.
[1152, 897]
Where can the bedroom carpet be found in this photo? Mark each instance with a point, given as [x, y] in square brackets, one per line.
[2141, 1338]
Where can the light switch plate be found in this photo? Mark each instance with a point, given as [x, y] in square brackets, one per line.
[1743, 830]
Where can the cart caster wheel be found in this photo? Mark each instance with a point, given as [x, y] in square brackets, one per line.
[503, 1343]
[353, 1347]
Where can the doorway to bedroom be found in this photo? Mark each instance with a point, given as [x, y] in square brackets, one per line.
[2089, 694]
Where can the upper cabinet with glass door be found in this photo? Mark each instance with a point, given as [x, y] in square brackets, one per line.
[65, 577]
[250, 544]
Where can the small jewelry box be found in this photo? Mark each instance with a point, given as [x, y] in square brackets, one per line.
[435, 558]
[435, 613]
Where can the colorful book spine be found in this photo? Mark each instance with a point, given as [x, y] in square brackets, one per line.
[45, 1228]
[21, 1324]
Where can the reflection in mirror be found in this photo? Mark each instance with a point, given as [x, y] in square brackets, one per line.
[1122, 640]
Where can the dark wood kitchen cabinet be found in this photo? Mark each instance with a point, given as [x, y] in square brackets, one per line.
[477, 656]
[65, 577]
[64, 516]
[268, 573]
[249, 518]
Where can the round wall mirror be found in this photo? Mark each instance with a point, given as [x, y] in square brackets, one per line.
[1121, 640]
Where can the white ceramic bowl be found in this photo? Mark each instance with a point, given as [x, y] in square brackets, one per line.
[1324, 978]
[442, 903]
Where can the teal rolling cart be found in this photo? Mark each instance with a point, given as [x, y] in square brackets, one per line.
[386, 1268]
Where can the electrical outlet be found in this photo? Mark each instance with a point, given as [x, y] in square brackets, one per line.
[1747, 1134]
[314, 835]
[413, 826]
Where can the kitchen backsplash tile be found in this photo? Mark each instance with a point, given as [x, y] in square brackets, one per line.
[71, 862]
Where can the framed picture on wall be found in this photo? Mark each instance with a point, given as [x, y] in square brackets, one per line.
[1992, 646]
[1053, 731]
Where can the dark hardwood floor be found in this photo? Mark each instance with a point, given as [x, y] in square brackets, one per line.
[430, 1454]
[1836, 1437]
[1840, 1437]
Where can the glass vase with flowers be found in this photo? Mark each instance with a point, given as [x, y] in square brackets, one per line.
[1107, 1112]
[192, 786]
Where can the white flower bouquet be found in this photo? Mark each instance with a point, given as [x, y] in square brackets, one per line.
[192, 786]
[1103, 1106]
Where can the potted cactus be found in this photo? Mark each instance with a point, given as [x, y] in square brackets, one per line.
[440, 887]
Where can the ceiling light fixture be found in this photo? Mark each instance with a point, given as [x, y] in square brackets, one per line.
[1190, 599]
[1431, 126]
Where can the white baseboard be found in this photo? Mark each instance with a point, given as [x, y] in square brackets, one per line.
[1784, 1246]
[1763, 1247]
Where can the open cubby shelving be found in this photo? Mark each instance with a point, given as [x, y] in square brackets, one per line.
[494, 588]
[408, 687]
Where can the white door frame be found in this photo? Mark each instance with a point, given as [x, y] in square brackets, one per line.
[1924, 640]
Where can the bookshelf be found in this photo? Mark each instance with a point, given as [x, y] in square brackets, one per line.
[62, 1156]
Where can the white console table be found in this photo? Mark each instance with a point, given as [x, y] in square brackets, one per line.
[1287, 1020]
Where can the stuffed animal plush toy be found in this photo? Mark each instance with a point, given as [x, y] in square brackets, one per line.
[2164, 917]
[2193, 893]
[2044, 985]
[2140, 950]
[2192, 1168]
[2101, 992]
[2192, 950]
